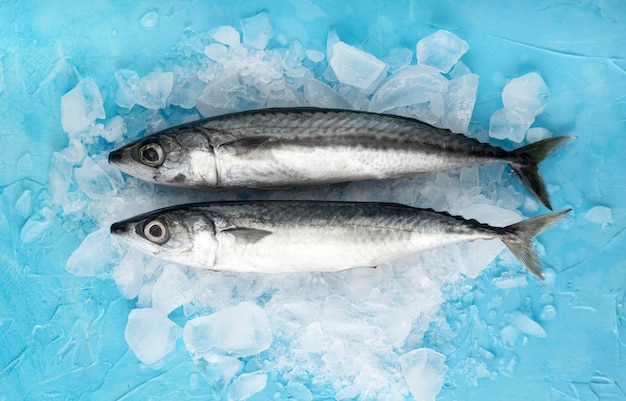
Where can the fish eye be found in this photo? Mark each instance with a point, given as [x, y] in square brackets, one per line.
[151, 154]
[156, 231]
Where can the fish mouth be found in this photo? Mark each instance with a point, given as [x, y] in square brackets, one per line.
[117, 156]
[119, 228]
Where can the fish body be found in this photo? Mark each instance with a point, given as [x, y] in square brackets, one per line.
[280, 148]
[296, 236]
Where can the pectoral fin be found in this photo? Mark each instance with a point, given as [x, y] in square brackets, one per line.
[247, 235]
[244, 145]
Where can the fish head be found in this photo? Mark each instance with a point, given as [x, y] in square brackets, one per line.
[181, 235]
[177, 156]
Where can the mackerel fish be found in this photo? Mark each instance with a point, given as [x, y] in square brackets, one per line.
[298, 236]
[281, 148]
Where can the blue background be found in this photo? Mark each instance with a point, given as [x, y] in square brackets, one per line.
[62, 336]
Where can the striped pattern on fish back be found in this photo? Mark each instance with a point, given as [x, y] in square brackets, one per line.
[328, 126]
[356, 214]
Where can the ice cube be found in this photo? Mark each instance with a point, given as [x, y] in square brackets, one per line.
[468, 177]
[312, 339]
[600, 215]
[410, 86]
[459, 70]
[150, 334]
[441, 50]
[351, 392]
[299, 391]
[74, 153]
[128, 273]
[294, 56]
[340, 316]
[246, 385]
[152, 269]
[357, 284]
[437, 193]
[228, 365]
[126, 82]
[398, 59]
[289, 97]
[355, 67]
[226, 94]
[528, 94]
[318, 94]
[257, 30]
[94, 255]
[155, 123]
[114, 129]
[431, 112]
[424, 371]
[241, 330]
[331, 39]
[396, 324]
[149, 20]
[459, 103]
[530, 205]
[267, 75]
[247, 87]
[171, 290]
[490, 214]
[477, 255]
[95, 182]
[186, 91]
[315, 56]
[536, 134]
[509, 124]
[144, 296]
[152, 90]
[525, 324]
[216, 52]
[226, 35]
[81, 106]
[298, 74]
[354, 96]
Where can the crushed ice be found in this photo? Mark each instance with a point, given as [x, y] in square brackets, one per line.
[355, 332]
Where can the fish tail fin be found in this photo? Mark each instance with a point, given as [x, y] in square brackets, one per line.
[529, 157]
[518, 238]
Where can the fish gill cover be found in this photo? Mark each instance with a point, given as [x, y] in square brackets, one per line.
[387, 333]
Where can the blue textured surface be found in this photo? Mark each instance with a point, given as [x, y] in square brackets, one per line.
[62, 336]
